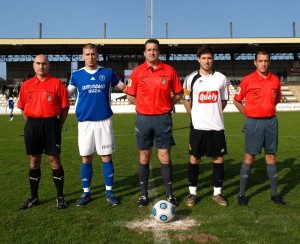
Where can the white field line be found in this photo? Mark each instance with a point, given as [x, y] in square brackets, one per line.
[160, 230]
[157, 235]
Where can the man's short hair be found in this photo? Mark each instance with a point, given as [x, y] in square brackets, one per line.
[262, 52]
[90, 46]
[155, 41]
[205, 49]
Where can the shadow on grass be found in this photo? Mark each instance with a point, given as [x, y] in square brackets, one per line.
[291, 179]
[288, 176]
[128, 185]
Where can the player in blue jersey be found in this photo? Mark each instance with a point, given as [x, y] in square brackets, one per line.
[95, 131]
[11, 104]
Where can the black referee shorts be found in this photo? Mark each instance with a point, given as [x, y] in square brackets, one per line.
[42, 135]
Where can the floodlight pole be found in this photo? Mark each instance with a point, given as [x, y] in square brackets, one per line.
[40, 30]
[149, 18]
[294, 29]
[167, 30]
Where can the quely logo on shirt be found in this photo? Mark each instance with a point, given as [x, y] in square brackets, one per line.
[208, 97]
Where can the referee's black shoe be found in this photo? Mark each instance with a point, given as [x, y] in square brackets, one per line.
[277, 199]
[242, 201]
[31, 201]
[60, 202]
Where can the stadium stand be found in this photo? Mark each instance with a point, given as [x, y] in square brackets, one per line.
[294, 87]
[72, 101]
[3, 102]
[290, 93]
[232, 89]
[235, 83]
[287, 94]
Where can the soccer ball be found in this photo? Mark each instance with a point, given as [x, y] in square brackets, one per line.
[163, 211]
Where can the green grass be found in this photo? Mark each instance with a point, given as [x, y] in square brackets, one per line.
[260, 222]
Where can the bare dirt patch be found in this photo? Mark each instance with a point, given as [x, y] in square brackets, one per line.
[197, 237]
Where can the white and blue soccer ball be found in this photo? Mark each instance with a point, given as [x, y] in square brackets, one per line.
[163, 211]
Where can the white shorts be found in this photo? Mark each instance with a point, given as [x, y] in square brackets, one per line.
[96, 136]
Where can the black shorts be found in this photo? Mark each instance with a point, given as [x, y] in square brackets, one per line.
[42, 135]
[154, 127]
[208, 143]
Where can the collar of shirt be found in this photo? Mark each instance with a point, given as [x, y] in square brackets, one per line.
[37, 80]
[159, 66]
[260, 77]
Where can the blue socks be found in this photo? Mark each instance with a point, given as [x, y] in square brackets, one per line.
[86, 173]
[108, 173]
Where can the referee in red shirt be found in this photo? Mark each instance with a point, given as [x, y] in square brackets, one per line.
[154, 87]
[44, 103]
[256, 98]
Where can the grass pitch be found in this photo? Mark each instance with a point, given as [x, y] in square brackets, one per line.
[261, 221]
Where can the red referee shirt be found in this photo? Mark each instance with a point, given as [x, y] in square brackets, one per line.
[153, 89]
[261, 94]
[43, 99]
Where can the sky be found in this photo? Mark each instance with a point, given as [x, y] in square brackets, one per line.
[127, 18]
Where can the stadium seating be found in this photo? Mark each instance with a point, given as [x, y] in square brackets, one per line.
[3, 102]
[232, 89]
[287, 96]
[235, 83]
[290, 94]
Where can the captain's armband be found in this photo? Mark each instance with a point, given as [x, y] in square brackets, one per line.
[186, 92]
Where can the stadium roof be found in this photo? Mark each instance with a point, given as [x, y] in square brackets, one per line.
[135, 46]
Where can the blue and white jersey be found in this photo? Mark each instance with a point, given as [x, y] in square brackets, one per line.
[10, 103]
[93, 93]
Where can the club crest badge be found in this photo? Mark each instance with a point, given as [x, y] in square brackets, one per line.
[102, 77]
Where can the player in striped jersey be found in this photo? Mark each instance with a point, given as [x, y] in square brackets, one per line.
[205, 96]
